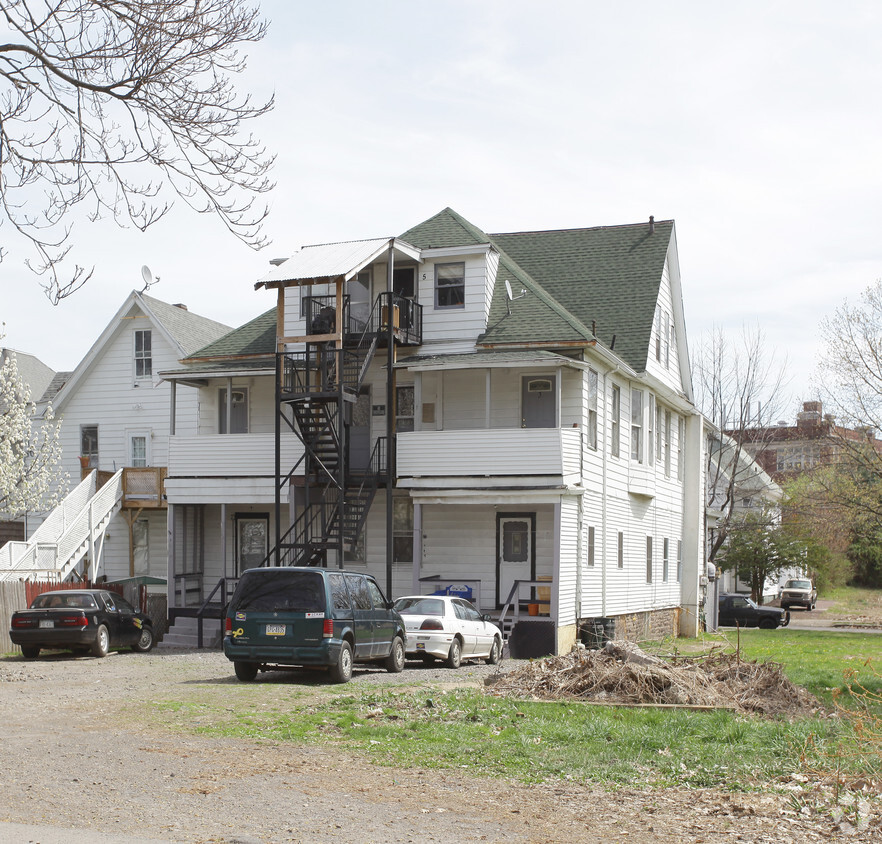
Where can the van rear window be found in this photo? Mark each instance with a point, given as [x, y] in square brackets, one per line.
[292, 591]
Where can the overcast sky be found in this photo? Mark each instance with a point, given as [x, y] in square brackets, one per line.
[756, 126]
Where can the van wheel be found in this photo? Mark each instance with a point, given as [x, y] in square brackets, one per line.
[454, 657]
[495, 651]
[245, 671]
[342, 671]
[395, 660]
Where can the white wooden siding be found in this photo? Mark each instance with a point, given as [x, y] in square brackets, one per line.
[568, 561]
[490, 452]
[454, 329]
[231, 455]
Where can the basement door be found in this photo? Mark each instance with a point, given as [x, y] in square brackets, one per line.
[515, 553]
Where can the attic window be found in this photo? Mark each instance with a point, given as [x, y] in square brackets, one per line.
[450, 285]
[143, 354]
[539, 385]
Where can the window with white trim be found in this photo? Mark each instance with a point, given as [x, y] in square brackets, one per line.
[450, 285]
[650, 434]
[620, 550]
[615, 415]
[592, 410]
[143, 354]
[681, 442]
[667, 443]
[591, 545]
[649, 559]
[679, 560]
[665, 543]
[637, 425]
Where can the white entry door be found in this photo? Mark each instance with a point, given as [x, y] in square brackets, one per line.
[515, 555]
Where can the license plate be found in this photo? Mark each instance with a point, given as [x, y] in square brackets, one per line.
[275, 630]
[47, 624]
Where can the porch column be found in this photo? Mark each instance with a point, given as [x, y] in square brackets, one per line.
[170, 548]
[172, 407]
[223, 533]
[417, 546]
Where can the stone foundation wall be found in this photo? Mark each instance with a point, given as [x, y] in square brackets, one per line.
[644, 626]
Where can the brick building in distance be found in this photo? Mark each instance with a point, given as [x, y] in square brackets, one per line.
[784, 451]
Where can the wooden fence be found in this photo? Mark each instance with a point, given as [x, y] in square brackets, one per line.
[17, 595]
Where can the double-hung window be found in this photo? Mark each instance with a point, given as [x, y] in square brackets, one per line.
[681, 444]
[620, 550]
[615, 420]
[667, 443]
[592, 409]
[650, 434]
[450, 285]
[143, 354]
[637, 425]
[665, 547]
[649, 559]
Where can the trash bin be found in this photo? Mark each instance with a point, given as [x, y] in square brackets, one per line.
[592, 635]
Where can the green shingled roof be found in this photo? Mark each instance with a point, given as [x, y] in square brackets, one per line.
[257, 337]
[576, 279]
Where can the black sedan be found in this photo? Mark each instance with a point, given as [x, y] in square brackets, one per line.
[82, 620]
[741, 611]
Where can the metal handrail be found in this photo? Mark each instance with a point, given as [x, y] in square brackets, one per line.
[200, 613]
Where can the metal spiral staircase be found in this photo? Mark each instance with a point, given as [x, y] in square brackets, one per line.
[316, 390]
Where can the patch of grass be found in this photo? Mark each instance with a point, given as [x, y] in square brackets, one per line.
[856, 602]
[533, 741]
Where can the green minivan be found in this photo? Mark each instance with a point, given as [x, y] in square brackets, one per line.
[286, 617]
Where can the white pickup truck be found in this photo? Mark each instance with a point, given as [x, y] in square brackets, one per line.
[798, 593]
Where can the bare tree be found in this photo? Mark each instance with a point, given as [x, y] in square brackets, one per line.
[739, 387]
[119, 106]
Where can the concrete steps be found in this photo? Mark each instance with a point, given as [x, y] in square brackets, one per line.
[184, 633]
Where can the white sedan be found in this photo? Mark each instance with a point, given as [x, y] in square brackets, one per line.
[448, 628]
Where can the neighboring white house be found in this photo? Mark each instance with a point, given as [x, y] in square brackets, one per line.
[736, 485]
[114, 412]
[534, 442]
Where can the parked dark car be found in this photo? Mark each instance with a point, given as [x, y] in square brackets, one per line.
[741, 611]
[292, 617]
[80, 620]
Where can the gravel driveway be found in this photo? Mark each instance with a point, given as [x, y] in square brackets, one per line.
[79, 753]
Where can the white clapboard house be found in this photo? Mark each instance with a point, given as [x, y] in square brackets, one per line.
[114, 412]
[506, 416]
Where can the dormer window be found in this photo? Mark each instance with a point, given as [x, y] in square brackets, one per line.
[450, 285]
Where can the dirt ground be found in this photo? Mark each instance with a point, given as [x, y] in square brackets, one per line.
[77, 755]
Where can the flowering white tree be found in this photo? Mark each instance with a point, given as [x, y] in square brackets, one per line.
[30, 474]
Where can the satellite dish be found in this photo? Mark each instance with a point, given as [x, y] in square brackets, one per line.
[149, 280]
[509, 297]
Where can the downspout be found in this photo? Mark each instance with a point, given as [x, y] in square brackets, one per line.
[390, 416]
